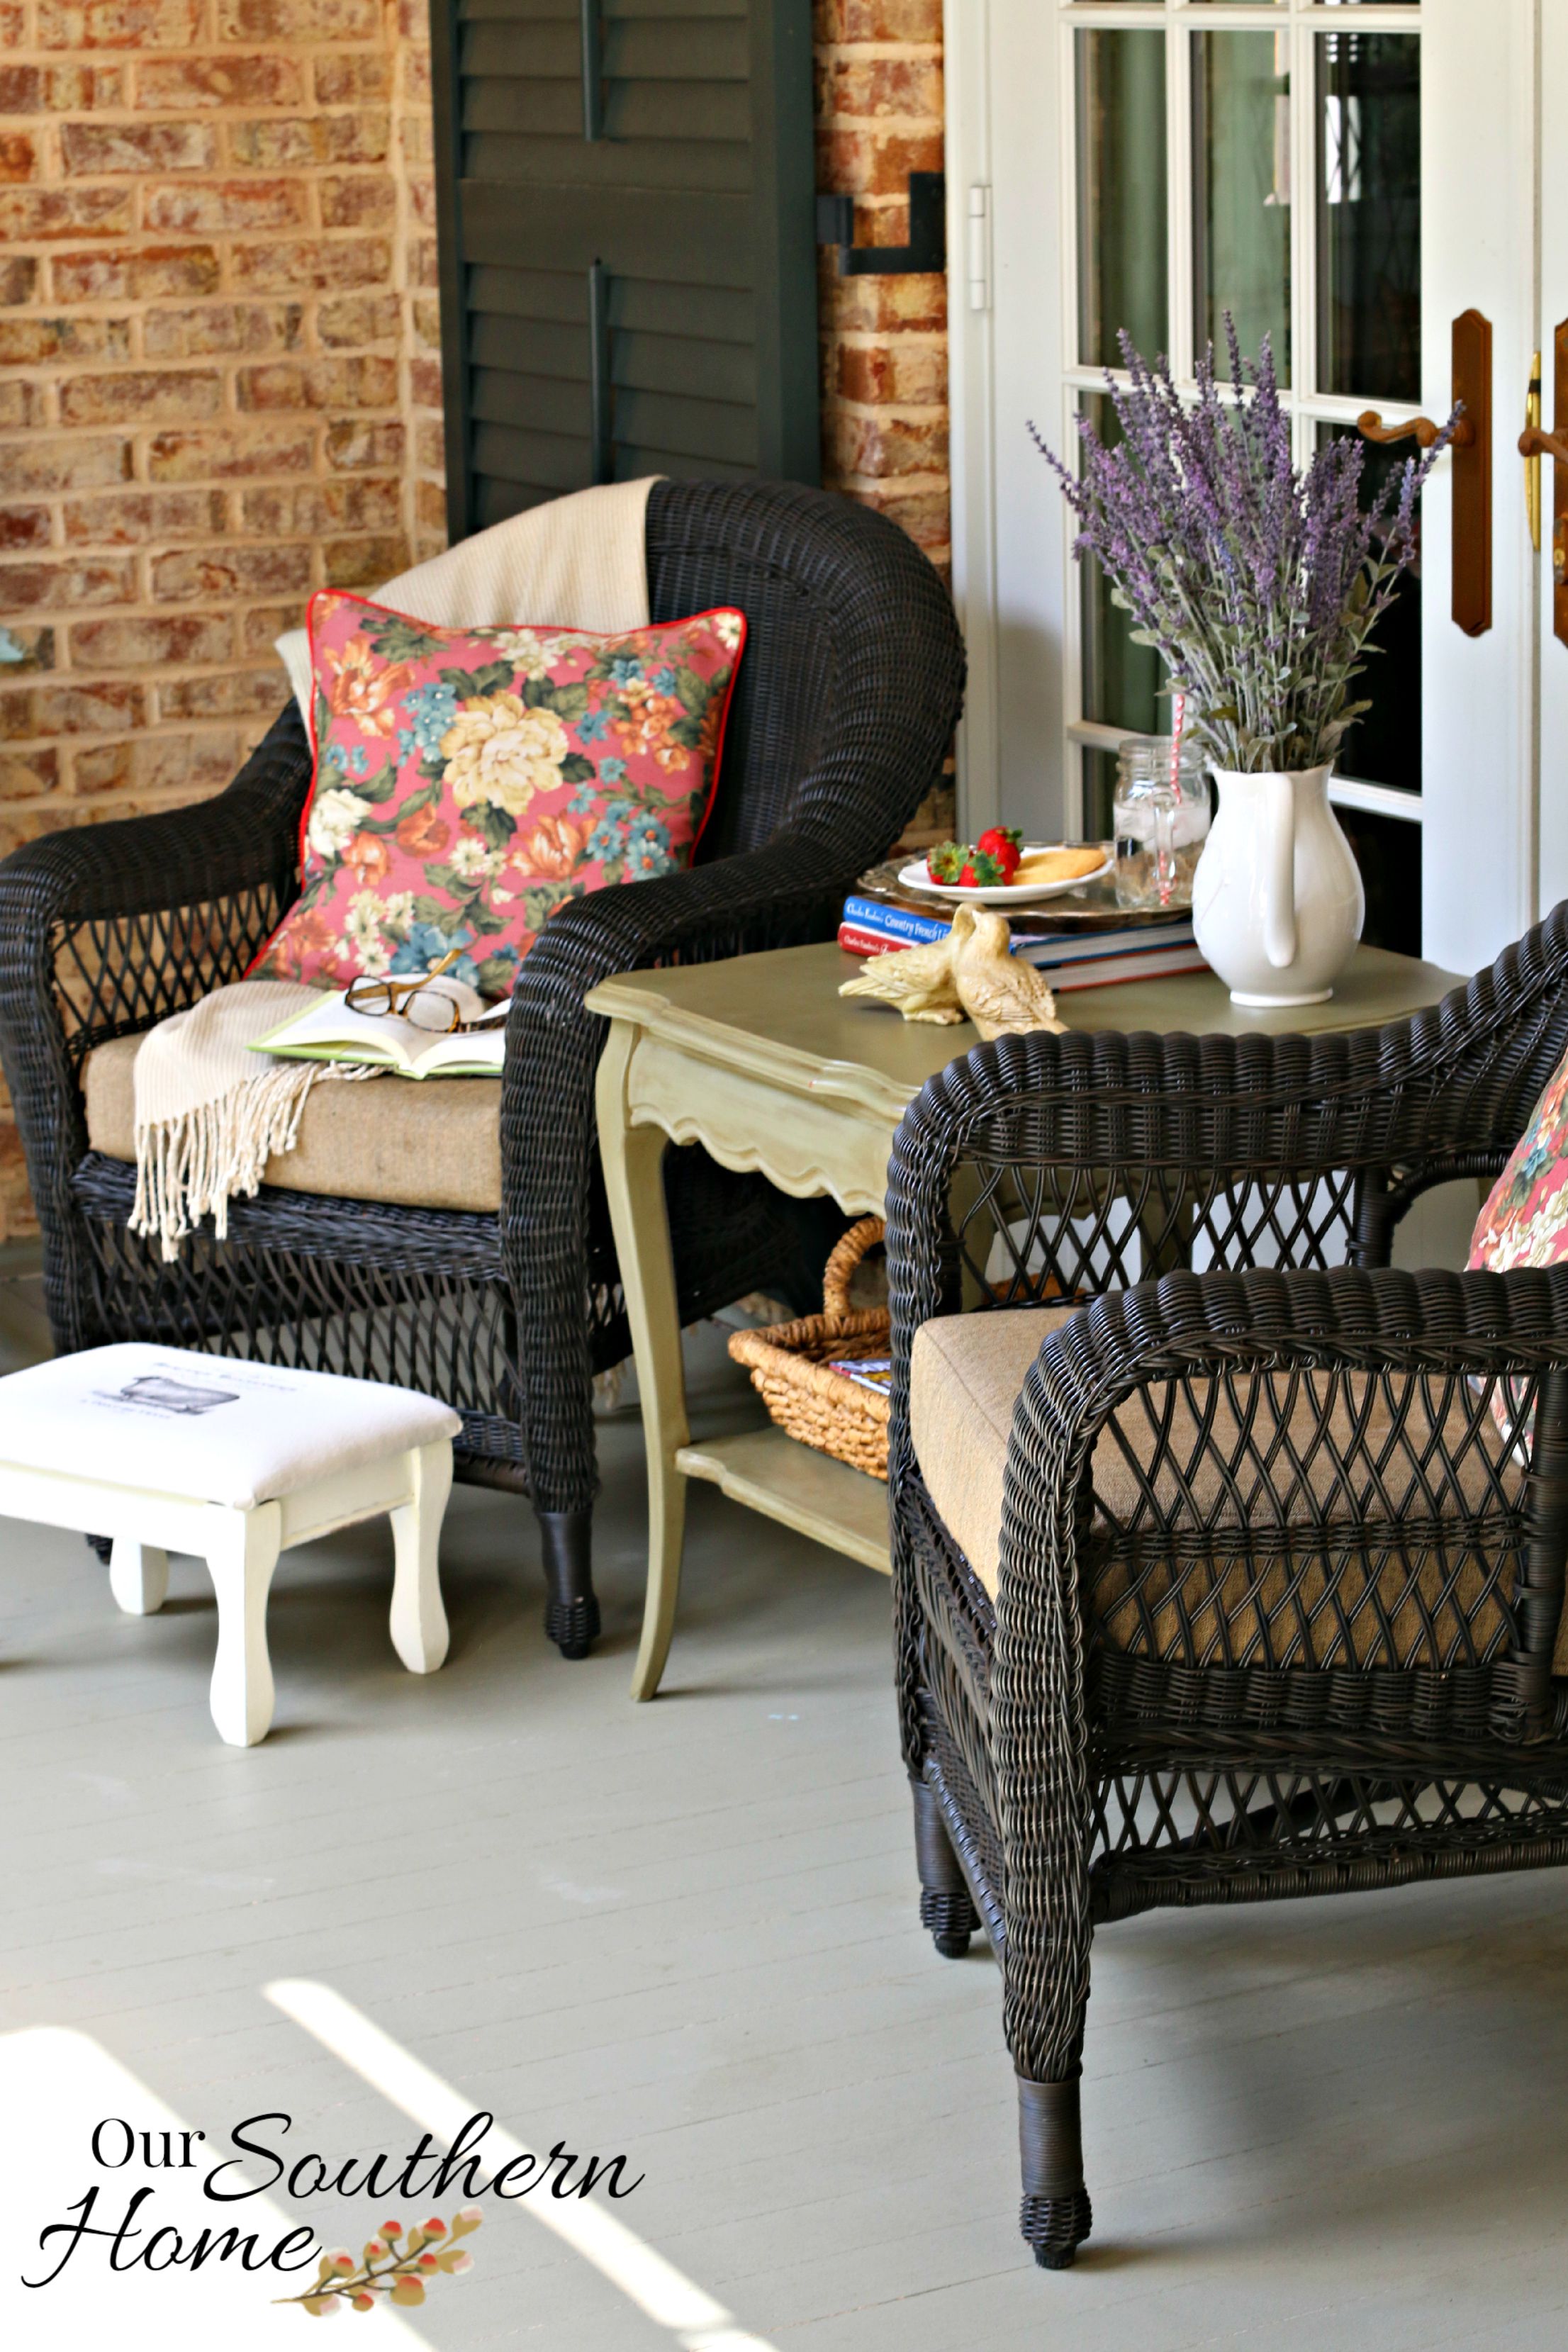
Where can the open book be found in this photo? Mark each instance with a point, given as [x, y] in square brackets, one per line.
[327, 1032]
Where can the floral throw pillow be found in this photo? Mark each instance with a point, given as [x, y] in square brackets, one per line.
[1525, 1219]
[470, 781]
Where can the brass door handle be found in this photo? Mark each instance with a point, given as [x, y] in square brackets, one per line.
[1370, 427]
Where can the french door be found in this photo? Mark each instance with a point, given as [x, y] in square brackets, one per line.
[1351, 177]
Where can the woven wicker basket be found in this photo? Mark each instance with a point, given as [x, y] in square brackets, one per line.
[788, 1363]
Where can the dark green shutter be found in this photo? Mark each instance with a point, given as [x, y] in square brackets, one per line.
[642, 301]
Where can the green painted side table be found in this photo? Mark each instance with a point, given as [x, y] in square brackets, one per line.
[763, 1063]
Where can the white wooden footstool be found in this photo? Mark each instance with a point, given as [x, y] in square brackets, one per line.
[166, 1451]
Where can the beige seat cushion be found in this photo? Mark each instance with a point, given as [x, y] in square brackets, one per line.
[427, 1143]
[1211, 1602]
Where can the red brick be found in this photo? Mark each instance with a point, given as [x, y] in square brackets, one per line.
[18, 278]
[307, 510]
[21, 90]
[25, 341]
[881, 305]
[362, 562]
[424, 262]
[218, 573]
[88, 710]
[867, 162]
[224, 695]
[190, 764]
[877, 20]
[430, 447]
[296, 265]
[205, 206]
[264, 623]
[425, 381]
[352, 320]
[362, 200]
[83, 88]
[359, 383]
[25, 775]
[424, 315]
[152, 396]
[90, 149]
[128, 643]
[422, 200]
[30, 216]
[74, 462]
[136, 273]
[21, 403]
[234, 454]
[346, 80]
[24, 527]
[109, 768]
[880, 443]
[174, 84]
[18, 157]
[118, 24]
[31, 586]
[358, 447]
[910, 373]
[298, 20]
[430, 511]
[135, 517]
[866, 89]
[211, 327]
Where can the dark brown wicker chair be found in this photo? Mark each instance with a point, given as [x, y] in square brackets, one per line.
[845, 706]
[1274, 1609]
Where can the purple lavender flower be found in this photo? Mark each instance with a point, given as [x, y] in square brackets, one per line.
[1259, 582]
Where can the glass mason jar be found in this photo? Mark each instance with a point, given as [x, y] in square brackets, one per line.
[1162, 812]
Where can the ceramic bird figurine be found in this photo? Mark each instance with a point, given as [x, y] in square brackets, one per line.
[973, 971]
[1003, 995]
[918, 981]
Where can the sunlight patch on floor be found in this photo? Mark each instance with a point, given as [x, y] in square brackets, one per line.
[664, 2294]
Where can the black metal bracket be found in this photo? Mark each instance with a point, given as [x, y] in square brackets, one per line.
[926, 247]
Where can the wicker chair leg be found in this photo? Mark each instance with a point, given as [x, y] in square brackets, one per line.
[947, 1911]
[1055, 2215]
[571, 1609]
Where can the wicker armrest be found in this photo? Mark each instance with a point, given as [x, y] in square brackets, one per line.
[1252, 1427]
[106, 931]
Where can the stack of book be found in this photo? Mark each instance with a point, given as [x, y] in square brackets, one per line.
[1071, 958]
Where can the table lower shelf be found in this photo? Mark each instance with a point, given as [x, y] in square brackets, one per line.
[808, 1491]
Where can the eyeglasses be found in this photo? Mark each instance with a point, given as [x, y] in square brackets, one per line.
[416, 1001]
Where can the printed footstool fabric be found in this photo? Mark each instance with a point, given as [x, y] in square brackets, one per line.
[171, 1421]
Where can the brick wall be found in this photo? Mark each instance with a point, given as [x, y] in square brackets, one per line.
[217, 372]
[880, 109]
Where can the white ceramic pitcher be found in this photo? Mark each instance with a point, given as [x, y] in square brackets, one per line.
[1277, 904]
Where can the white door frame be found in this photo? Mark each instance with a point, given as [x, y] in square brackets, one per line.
[1010, 209]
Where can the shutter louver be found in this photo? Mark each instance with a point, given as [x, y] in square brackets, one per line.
[642, 301]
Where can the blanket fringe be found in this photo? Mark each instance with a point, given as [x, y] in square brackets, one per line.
[191, 1167]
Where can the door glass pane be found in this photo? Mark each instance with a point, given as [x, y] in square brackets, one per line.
[1241, 190]
[1120, 193]
[1383, 747]
[1369, 215]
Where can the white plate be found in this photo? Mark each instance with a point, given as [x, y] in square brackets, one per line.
[914, 876]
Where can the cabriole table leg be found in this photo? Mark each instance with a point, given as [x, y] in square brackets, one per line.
[633, 1162]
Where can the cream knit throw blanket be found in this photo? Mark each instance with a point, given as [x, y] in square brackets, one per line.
[210, 1113]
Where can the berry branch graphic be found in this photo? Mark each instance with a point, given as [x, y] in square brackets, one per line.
[397, 2272]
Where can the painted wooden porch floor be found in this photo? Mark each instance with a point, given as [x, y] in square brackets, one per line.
[687, 1931]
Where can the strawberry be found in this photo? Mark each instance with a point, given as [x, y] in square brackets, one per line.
[1004, 843]
[969, 879]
